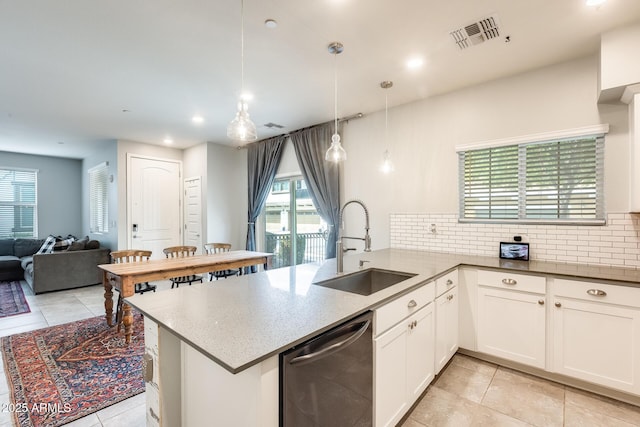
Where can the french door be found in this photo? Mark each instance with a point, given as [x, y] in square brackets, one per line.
[294, 232]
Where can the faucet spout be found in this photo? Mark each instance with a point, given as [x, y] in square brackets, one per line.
[367, 239]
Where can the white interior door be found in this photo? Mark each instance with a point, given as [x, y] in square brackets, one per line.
[154, 204]
[193, 213]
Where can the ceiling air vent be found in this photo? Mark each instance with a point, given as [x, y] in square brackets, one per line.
[273, 125]
[476, 32]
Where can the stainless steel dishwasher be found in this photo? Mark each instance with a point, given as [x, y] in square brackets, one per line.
[328, 380]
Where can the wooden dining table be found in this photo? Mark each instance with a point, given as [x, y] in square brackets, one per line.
[124, 276]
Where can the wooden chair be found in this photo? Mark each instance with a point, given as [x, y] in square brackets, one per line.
[218, 248]
[182, 252]
[131, 255]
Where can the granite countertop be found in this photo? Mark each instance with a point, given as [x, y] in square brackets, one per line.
[241, 321]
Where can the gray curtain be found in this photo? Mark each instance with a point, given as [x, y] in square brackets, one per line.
[322, 177]
[263, 158]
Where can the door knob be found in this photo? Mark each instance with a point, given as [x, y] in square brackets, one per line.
[541, 301]
[558, 304]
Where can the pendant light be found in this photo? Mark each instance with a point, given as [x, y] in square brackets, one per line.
[241, 128]
[335, 153]
[387, 166]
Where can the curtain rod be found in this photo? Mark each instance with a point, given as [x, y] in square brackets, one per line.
[340, 120]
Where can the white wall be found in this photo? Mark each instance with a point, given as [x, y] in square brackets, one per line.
[108, 153]
[226, 195]
[59, 191]
[423, 135]
[620, 64]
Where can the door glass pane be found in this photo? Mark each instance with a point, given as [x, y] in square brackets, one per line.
[277, 225]
[310, 228]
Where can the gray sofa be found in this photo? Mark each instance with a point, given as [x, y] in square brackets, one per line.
[50, 272]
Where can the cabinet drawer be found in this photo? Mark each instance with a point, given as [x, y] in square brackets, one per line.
[508, 280]
[446, 282]
[398, 309]
[600, 292]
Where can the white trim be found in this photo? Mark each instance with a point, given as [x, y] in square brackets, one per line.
[537, 137]
[629, 92]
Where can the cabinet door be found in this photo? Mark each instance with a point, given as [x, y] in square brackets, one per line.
[511, 325]
[420, 352]
[597, 342]
[390, 391]
[446, 343]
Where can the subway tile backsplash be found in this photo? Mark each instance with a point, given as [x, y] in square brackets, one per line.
[615, 244]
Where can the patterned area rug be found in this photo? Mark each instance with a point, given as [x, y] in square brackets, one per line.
[12, 300]
[62, 373]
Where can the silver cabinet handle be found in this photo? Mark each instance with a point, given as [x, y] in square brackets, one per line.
[412, 303]
[510, 282]
[449, 282]
[597, 293]
[541, 301]
[558, 304]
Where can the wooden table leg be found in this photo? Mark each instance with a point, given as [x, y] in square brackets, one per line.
[127, 320]
[108, 299]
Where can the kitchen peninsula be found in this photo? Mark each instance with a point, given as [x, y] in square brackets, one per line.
[226, 335]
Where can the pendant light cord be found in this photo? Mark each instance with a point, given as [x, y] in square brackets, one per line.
[386, 119]
[335, 88]
[241, 49]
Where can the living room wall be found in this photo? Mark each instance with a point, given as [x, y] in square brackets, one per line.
[108, 154]
[59, 190]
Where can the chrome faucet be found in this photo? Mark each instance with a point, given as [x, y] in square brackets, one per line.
[340, 249]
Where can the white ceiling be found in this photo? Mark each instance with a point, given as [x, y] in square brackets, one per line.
[68, 68]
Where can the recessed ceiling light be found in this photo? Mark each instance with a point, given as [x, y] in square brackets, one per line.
[595, 2]
[415, 63]
[168, 140]
[270, 23]
[197, 119]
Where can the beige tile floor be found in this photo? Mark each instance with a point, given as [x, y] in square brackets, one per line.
[469, 392]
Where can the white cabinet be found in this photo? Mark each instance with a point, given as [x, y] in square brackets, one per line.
[596, 333]
[446, 306]
[404, 355]
[511, 316]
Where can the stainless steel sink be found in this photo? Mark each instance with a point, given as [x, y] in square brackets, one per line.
[365, 282]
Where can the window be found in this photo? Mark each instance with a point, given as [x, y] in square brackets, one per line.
[98, 198]
[18, 207]
[550, 181]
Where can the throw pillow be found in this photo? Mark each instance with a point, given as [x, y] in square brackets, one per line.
[63, 244]
[78, 245]
[47, 246]
[92, 244]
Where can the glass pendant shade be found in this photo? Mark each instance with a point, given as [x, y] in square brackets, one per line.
[335, 153]
[387, 165]
[241, 127]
